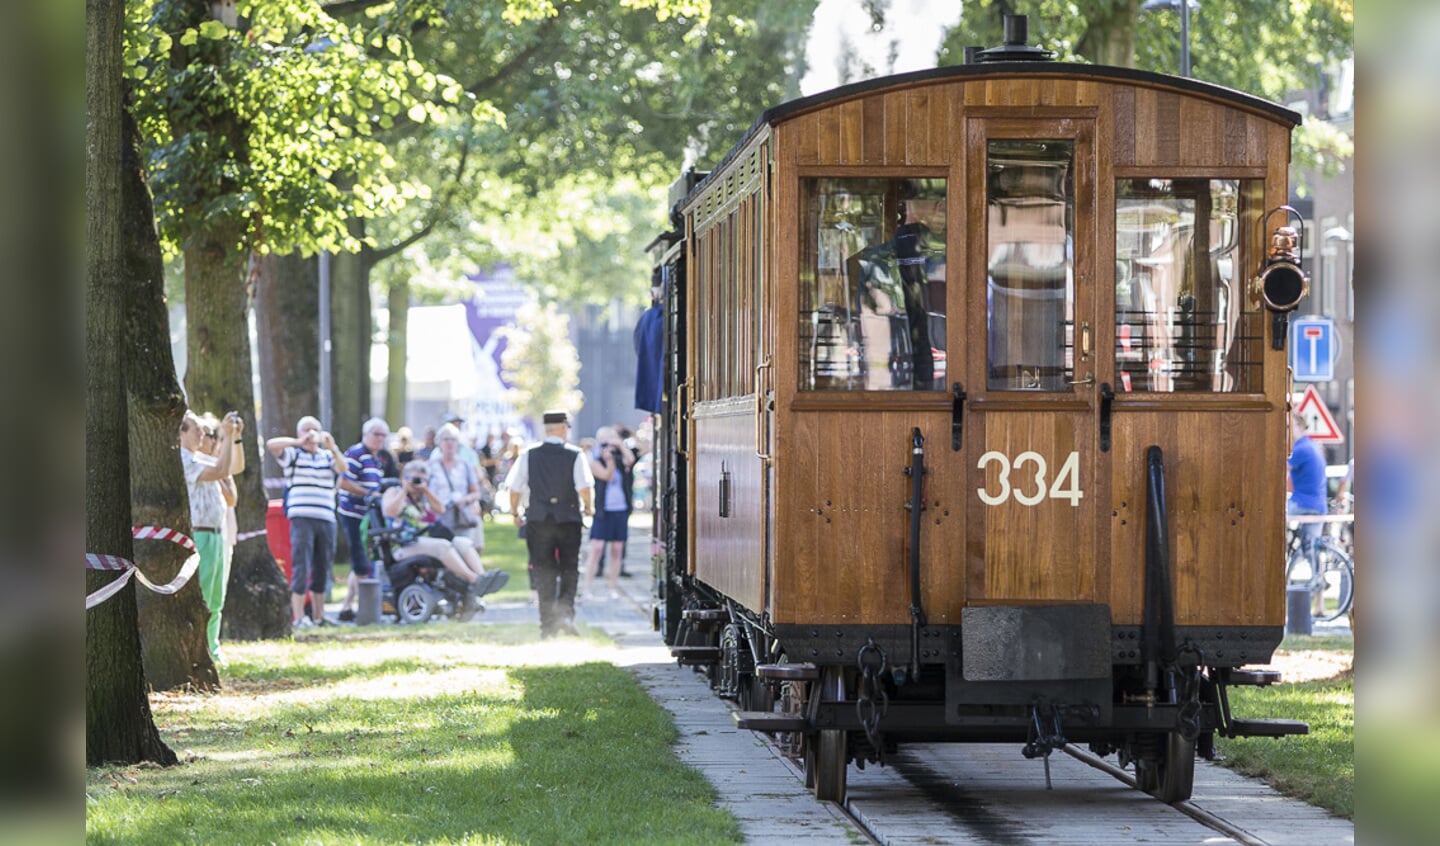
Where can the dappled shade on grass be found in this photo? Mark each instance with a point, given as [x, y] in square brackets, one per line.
[1318, 767]
[456, 743]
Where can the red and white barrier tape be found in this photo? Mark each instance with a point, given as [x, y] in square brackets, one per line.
[95, 561]
[248, 535]
[160, 533]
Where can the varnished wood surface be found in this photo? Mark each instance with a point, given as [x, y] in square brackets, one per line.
[728, 550]
[840, 528]
[842, 525]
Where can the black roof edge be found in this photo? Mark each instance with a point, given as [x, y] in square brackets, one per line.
[775, 114]
[668, 237]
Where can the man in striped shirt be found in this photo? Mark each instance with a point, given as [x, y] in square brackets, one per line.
[363, 472]
[311, 461]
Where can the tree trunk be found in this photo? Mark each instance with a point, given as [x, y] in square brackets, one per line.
[172, 628]
[287, 308]
[218, 379]
[351, 331]
[118, 724]
[1109, 37]
[395, 382]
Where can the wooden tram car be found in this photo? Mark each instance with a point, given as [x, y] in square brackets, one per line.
[975, 423]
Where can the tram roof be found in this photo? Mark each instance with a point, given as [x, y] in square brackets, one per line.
[778, 114]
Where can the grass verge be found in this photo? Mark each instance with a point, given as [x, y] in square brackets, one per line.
[437, 734]
[1318, 767]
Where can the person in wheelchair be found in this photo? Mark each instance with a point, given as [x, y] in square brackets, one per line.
[413, 508]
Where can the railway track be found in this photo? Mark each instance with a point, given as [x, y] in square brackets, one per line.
[969, 794]
[989, 794]
[957, 793]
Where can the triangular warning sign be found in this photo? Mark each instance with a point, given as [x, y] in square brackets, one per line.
[1319, 425]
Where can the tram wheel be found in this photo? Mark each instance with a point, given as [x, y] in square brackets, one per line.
[1170, 776]
[830, 766]
[756, 694]
[831, 758]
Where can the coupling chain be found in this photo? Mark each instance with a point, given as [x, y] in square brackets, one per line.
[873, 665]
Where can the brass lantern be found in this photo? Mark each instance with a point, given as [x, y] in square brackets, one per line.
[1281, 283]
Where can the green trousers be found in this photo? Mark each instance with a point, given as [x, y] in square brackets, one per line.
[214, 575]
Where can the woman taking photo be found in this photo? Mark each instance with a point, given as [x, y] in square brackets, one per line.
[414, 508]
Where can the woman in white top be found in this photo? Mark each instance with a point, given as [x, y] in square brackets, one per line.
[456, 482]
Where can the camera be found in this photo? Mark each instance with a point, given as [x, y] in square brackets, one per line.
[417, 480]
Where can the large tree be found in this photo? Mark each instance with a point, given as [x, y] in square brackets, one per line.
[261, 130]
[602, 105]
[172, 627]
[118, 724]
[1257, 46]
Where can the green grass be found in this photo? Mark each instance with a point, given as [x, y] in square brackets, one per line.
[1318, 767]
[437, 734]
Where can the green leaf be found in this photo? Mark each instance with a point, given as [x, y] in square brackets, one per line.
[189, 38]
[417, 113]
[214, 30]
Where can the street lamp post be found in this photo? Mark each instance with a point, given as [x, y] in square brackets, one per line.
[325, 397]
[1184, 7]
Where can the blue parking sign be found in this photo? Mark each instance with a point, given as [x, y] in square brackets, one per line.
[1313, 349]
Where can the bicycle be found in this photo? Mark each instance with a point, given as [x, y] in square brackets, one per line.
[1330, 579]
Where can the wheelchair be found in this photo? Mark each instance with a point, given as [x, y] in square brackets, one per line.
[414, 587]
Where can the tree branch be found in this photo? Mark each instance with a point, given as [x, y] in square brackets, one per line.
[378, 255]
[480, 87]
[349, 7]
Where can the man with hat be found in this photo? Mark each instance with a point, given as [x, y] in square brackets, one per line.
[550, 487]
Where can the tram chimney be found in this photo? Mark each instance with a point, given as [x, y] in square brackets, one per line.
[1017, 30]
[1015, 48]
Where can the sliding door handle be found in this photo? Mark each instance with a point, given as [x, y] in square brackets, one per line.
[1107, 400]
[957, 417]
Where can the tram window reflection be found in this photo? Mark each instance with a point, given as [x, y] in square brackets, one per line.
[872, 284]
[1182, 323]
[1030, 277]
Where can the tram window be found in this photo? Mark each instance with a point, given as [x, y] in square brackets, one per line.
[872, 284]
[1030, 275]
[1182, 323]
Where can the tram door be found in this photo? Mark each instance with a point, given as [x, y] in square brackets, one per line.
[1030, 423]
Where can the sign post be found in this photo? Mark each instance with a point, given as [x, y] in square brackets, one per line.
[1319, 424]
[1314, 346]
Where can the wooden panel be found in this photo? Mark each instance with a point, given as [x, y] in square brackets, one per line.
[1157, 128]
[805, 136]
[729, 550]
[1233, 131]
[827, 136]
[1123, 107]
[1202, 140]
[845, 555]
[1030, 552]
[1257, 142]
[872, 131]
[896, 116]
[852, 139]
[1225, 568]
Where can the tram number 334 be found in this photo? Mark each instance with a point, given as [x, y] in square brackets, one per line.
[1031, 486]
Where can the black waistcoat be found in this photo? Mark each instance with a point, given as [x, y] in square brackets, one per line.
[552, 484]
